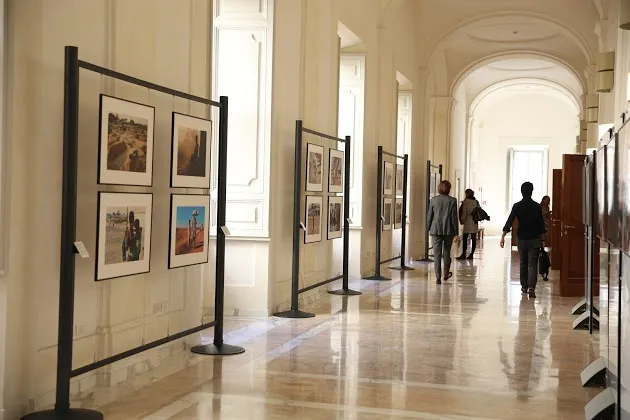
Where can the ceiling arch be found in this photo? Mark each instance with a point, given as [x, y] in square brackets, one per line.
[531, 65]
[547, 86]
[471, 28]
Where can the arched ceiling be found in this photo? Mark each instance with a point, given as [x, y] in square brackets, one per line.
[521, 73]
[460, 34]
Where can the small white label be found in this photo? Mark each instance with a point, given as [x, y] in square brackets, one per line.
[225, 230]
[350, 222]
[81, 249]
[302, 226]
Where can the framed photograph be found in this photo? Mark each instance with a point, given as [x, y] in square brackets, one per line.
[335, 171]
[600, 192]
[388, 178]
[314, 167]
[123, 234]
[335, 217]
[313, 219]
[125, 142]
[188, 238]
[398, 213]
[400, 177]
[612, 210]
[190, 158]
[387, 214]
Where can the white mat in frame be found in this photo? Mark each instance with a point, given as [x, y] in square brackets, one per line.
[191, 140]
[123, 234]
[188, 233]
[125, 142]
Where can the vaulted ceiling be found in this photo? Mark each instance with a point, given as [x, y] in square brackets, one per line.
[458, 37]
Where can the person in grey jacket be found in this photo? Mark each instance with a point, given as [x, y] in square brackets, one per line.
[443, 227]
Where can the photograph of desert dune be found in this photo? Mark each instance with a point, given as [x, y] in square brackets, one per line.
[127, 143]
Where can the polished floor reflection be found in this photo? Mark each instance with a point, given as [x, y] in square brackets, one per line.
[471, 348]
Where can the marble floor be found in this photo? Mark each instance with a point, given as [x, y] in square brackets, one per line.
[473, 348]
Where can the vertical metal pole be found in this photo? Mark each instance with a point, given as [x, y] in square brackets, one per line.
[219, 348]
[403, 245]
[346, 215]
[221, 198]
[68, 227]
[379, 223]
[62, 408]
[427, 198]
[294, 312]
[441, 175]
[379, 214]
[295, 273]
[345, 290]
[591, 243]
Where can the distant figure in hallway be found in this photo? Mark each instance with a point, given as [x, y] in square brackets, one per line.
[443, 228]
[546, 211]
[471, 227]
[531, 229]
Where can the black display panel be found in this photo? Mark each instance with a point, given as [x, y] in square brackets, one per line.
[600, 192]
[623, 176]
[612, 218]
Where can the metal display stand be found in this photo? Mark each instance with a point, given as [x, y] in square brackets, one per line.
[431, 171]
[65, 373]
[294, 311]
[379, 218]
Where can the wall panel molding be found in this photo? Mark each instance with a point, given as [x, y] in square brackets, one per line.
[245, 26]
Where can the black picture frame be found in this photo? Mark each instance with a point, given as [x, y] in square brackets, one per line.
[307, 199]
[384, 225]
[335, 200]
[341, 155]
[312, 187]
[99, 202]
[208, 155]
[101, 171]
[173, 216]
[388, 166]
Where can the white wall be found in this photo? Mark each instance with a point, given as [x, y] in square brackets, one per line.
[514, 120]
[305, 87]
[141, 39]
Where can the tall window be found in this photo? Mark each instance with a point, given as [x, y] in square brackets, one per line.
[528, 164]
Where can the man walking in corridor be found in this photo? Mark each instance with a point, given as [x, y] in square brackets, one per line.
[531, 228]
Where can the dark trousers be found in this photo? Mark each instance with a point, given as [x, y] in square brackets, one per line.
[473, 237]
[528, 250]
[442, 249]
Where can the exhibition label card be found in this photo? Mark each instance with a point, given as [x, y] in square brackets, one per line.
[81, 249]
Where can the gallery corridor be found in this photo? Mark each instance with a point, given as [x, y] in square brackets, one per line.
[472, 348]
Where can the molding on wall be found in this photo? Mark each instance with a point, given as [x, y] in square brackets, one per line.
[245, 23]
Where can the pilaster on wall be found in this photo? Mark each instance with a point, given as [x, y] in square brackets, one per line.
[439, 119]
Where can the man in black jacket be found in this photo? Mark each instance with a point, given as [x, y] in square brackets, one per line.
[531, 229]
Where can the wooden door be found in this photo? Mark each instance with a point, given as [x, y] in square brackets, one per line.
[572, 239]
[556, 209]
